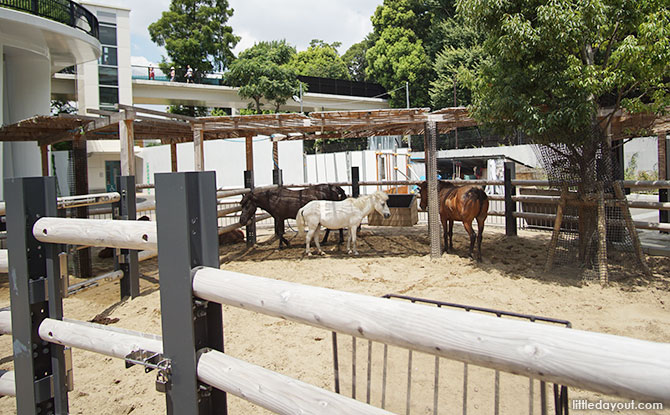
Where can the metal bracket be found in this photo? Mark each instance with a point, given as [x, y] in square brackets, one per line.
[199, 308]
[38, 290]
[64, 275]
[69, 373]
[152, 360]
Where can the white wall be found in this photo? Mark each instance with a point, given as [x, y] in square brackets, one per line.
[646, 149]
[228, 159]
[334, 167]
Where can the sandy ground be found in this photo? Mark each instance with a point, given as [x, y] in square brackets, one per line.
[392, 260]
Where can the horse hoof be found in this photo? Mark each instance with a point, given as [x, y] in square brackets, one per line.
[322, 253]
[309, 254]
[349, 252]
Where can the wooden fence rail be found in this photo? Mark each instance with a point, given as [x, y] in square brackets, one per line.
[603, 363]
[268, 389]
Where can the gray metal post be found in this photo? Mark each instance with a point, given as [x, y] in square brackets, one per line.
[430, 156]
[41, 386]
[355, 187]
[125, 209]
[277, 178]
[510, 205]
[251, 228]
[187, 237]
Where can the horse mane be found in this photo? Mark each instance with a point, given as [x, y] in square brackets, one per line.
[360, 201]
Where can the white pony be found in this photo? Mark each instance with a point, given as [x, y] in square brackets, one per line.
[337, 215]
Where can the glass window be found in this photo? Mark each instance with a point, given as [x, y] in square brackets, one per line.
[108, 76]
[108, 35]
[108, 56]
[109, 95]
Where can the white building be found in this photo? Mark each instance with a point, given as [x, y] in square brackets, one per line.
[32, 48]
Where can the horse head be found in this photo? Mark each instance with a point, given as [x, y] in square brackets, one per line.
[248, 208]
[423, 195]
[379, 200]
[337, 193]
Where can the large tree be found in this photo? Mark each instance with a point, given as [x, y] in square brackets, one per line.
[552, 67]
[195, 33]
[263, 73]
[559, 71]
[322, 60]
[460, 56]
[398, 54]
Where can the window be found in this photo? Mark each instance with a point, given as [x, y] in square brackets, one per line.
[108, 76]
[108, 56]
[107, 35]
[109, 96]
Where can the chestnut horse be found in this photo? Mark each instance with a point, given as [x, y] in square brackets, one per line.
[283, 203]
[464, 203]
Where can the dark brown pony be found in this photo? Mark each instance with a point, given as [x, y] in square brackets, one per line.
[283, 203]
[464, 203]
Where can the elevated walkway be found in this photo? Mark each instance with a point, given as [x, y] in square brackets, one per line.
[162, 92]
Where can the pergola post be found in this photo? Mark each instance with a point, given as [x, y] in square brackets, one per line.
[249, 184]
[79, 153]
[127, 260]
[199, 147]
[127, 140]
[430, 140]
[44, 150]
[663, 173]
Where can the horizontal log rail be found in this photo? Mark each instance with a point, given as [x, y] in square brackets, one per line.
[95, 281]
[7, 383]
[603, 363]
[573, 219]
[124, 234]
[4, 262]
[67, 202]
[270, 390]
[233, 226]
[227, 211]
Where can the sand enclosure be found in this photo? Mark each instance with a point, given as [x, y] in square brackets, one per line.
[392, 260]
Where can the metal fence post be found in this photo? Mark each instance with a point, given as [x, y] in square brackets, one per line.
[510, 205]
[127, 261]
[187, 237]
[277, 178]
[355, 186]
[251, 228]
[40, 372]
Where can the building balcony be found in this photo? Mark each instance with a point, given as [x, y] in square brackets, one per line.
[62, 30]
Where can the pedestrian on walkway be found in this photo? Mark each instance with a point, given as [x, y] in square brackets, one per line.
[151, 73]
[173, 75]
[189, 74]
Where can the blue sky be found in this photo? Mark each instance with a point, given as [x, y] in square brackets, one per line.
[297, 21]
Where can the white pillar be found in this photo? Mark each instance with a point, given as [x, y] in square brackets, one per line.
[26, 92]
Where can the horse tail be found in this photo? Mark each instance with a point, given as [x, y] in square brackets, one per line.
[483, 200]
[300, 222]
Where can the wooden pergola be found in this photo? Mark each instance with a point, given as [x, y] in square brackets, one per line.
[134, 123]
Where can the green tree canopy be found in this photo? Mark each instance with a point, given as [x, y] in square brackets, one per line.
[460, 56]
[550, 67]
[322, 60]
[263, 73]
[194, 32]
[354, 59]
[398, 54]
